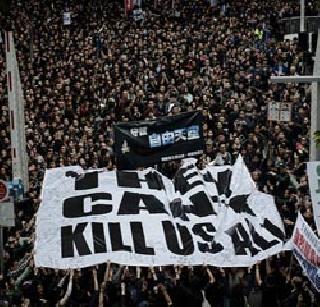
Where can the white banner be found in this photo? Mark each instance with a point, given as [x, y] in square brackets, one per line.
[306, 248]
[214, 216]
[314, 186]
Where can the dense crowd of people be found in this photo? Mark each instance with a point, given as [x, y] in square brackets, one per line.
[79, 79]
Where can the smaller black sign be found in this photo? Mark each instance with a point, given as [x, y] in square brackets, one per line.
[146, 143]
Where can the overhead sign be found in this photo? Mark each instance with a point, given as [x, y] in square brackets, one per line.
[214, 216]
[4, 191]
[306, 248]
[146, 143]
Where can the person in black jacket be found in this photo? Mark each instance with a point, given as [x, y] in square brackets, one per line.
[215, 288]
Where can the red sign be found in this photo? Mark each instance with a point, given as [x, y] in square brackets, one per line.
[128, 6]
[3, 191]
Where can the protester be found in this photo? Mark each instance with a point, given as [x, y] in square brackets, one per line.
[79, 79]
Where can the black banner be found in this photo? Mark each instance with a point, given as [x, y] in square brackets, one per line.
[146, 143]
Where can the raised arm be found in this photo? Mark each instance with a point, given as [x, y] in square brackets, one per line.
[268, 266]
[64, 300]
[258, 277]
[104, 284]
[165, 294]
[95, 280]
[210, 276]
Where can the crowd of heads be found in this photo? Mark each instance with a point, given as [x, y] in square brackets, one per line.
[80, 79]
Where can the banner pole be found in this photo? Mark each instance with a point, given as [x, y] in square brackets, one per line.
[291, 263]
[1, 251]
